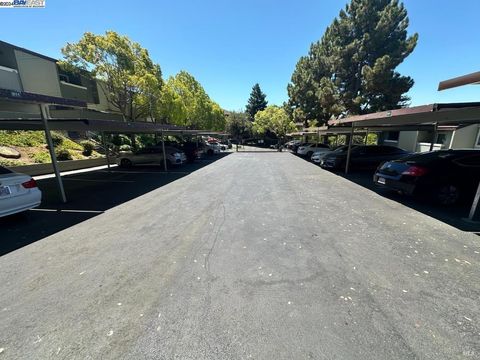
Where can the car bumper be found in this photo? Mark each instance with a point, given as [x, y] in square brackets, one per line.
[393, 184]
[20, 203]
[328, 164]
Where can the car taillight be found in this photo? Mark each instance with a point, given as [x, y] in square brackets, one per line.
[30, 184]
[415, 171]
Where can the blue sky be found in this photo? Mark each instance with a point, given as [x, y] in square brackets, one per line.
[229, 45]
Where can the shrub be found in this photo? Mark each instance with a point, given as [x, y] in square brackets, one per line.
[119, 140]
[57, 139]
[88, 147]
[146, 140]
[125, 148]
[41, 157]
[10, 162]
[22, 138]
[63, 155]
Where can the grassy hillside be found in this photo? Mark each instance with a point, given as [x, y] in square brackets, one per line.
[33, 148]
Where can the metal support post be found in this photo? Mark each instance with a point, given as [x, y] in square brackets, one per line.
[473, 216]
[349, 151]
[107, 150]
[45, 116]
[366, 137]
[434, 136]
[164, 153]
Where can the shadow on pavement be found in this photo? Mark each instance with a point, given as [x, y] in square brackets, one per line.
[452, 216]
[89, 194]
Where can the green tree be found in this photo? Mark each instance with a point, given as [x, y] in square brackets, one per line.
[130, 80]
[273, 119]
[257, 102]
[238, 125]
[184, 102]
[351, 70]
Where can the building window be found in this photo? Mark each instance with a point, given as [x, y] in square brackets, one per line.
[392, 135]
[441, 139]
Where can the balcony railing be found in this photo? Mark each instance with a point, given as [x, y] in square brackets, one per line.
[9, 79]
[72, 91]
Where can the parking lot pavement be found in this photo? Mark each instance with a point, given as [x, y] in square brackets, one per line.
[452, 215]
[89, 194]
[258, 255]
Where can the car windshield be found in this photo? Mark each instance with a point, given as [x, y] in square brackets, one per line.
[4, 170]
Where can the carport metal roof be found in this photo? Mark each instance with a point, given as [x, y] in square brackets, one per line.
[108, 126]
[455, 114]
[473, 78]
[339, 130]
[80, 119]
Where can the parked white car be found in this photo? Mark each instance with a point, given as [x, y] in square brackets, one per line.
[18, 192]
[212, 148]
[151, 155]
[309, 149]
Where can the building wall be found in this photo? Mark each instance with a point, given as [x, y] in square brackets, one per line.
[465, 138]
[7, 108]
[408, 140]
[103, 104]
[72, 91]
[38, 75]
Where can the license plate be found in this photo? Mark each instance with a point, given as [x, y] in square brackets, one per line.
[4, 191]
[381, 180]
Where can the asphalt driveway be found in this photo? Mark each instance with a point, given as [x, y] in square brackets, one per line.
[258, 255]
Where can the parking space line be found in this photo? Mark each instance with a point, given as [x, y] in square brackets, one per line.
[72, 172]
[147, 172]
[96, 180]
[69, 211]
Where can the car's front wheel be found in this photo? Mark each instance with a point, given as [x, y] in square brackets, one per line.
[126, 163]
[447, 194]
[309, 155]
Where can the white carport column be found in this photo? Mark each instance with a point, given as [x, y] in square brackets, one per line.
[107, 150]
[164, 154]
[45, 116]
[349, 151]
[474, 215]
[434, 136]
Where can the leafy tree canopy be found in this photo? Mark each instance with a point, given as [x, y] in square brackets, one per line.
[351, 70]
[274, 119]
[184, 102]
[130, 80]
[238, 125]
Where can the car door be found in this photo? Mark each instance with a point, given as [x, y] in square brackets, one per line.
[154, 156]
[141, 156]
[465, 171]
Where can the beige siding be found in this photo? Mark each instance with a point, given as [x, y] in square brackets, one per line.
[465, 138]
[38, 75]
[103, 104]
[408, 140]
[9, 108]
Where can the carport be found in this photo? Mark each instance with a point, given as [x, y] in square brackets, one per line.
[77, 118]
[431, 117]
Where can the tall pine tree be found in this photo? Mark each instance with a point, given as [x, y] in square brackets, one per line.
[257, 102]
[351, 70]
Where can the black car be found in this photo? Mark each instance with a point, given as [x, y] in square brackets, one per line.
[447, 176]
[362, 156]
